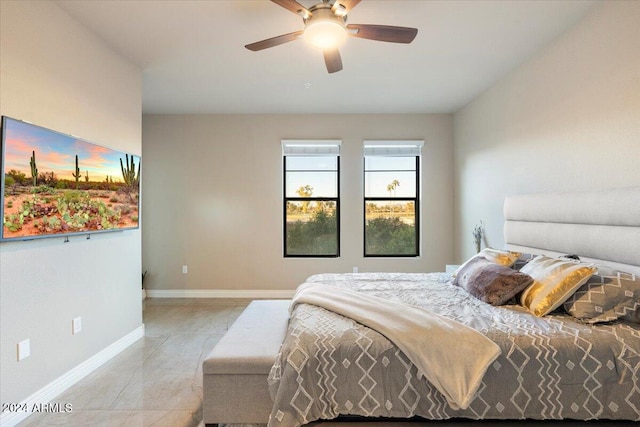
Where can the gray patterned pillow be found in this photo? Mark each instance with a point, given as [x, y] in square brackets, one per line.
[608, 295]
[491, 283]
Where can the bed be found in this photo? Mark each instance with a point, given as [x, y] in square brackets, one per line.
[554, 366]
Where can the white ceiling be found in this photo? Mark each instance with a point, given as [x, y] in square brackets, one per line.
[193, 58]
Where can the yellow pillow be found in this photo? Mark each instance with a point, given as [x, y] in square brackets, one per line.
[496, 256]
[555, 280]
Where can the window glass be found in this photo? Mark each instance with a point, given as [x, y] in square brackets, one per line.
[390, 163]
[390, 184]
[312, 163]
[311, 229]
[311, 201]
[312, 184]
[391, 189]
[390, 228]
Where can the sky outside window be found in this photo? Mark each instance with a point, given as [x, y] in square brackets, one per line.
[380, 171]
[316, 171]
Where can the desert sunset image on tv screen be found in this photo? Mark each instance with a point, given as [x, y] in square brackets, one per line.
[56, 184]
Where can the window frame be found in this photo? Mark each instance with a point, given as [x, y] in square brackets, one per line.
[416, 199]
[287, 199]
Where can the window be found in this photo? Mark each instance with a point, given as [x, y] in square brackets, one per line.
[391, 198]
[311, 198]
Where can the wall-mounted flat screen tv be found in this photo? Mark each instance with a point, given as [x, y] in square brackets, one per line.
[59, 185]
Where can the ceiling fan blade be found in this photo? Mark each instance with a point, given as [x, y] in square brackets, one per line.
[333, 60]
[342, 7]
[274, 41]
[294, 7]
[385, 33]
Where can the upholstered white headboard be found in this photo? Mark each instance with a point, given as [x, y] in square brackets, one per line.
[599, 226]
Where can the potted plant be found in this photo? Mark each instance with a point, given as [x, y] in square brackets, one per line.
[478, 232]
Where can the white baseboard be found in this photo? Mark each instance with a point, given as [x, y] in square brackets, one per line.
[222, 293]
[49, 392]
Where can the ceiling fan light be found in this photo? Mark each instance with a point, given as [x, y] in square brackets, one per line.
[325, 34]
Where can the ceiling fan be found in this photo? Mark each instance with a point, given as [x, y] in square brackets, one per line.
[326, 28]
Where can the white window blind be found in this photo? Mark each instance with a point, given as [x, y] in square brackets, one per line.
[393, 148]
[311, 147]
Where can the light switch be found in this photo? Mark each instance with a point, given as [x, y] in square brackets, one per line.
[76, 325]
[24, 349]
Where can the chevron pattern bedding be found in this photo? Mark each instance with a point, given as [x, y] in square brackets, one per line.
[550, 368]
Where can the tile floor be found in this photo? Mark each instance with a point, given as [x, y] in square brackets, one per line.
[158, 380]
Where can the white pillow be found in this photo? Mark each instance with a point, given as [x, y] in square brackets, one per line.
[496, 256]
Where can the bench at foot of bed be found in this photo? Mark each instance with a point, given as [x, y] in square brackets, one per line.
[235, 372]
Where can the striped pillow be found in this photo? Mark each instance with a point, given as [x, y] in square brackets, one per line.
[555, 280]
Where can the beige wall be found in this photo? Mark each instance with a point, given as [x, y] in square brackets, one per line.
[213, 197]
[57, 74]
[568, 119]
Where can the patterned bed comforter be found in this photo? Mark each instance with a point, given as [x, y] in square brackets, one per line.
[550, 368]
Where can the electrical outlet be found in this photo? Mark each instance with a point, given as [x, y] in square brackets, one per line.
[185, 269]
[355, 269]
[24, 349]
[76, 325]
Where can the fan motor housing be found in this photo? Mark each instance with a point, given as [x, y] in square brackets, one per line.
[322, 12]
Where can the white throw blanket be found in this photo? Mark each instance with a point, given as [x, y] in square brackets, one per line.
[452, 356]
